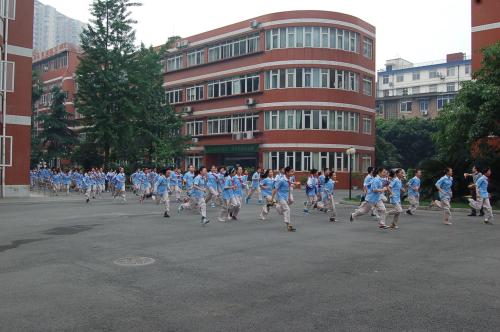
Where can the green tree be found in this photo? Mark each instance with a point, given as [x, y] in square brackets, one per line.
[104, 97]
[469, 127]
[36, 94]
[57, 138]
[405, 143]
[156, 137]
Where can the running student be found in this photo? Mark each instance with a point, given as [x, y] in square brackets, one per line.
[282, 192]
[238, 191]
[267, 185]
[327, 199]
[373, 199]
[213, 187]
[483, 200]
[198, 193]
[255, 187]
[414, 192]
[229, 201]
[444, 185]
[311, 191]
[119, 184]
[395, 188]
[161, 188]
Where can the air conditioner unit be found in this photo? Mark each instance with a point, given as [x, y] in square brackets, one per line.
[391, 84]
[250, 102]
[237, 136]
[187, 109]
[194, 140]
[249, 135]
[254, 24]
[181, 43]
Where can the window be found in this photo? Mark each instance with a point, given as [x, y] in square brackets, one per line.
[467, 69]
[194, 128]
[233, 124]
[424, 106]
[400, 78]
[450, 87]
[367, 47]
[311, 120]
[405, 91]
[385, 79]
[233, 86]
[443, 100]
[290, 77]
[433, 74]
[306, 160]
[416, 76]
[405, 106]
[366, 161]
[237, 47]
[367, 86]
[450, 71]
[194, 160]
[415, 90]
[385, 93]
[196, 58]
[173, 96]
[194, 93]
[367, 125]
[317, 37]
[433, 88]
[174, 63]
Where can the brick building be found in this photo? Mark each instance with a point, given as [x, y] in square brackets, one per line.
[16, 40]
[57, 67]
[290, 88]
[485, 27]
[407, 90]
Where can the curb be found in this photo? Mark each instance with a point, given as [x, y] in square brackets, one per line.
[421, 208]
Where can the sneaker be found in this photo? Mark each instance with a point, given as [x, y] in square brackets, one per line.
[306, 211]
[204, 220]
[290, 228]
[393, 226]
[262, 218]
[383, 226]
[234, 218]
[409, 212]
[487, 222]
[179, 209]
[447, 223]
[332, 219]
[166, 215]
[351, 218]
[221, 219]
[305, 204]
[88, 199]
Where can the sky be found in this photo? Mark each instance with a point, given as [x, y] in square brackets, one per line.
[418, 31]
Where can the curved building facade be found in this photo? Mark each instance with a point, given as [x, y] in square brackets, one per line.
[290, 88]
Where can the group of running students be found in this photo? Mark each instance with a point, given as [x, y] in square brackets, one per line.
[229, 187]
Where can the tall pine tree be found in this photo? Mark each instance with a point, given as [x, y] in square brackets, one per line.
[103, 96]
[156, 138]
[57, 138]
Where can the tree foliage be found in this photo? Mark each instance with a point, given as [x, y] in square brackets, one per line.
[103, 76]
[56, 137]
[404, 143]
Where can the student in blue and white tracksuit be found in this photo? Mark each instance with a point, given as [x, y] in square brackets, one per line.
[267, 186]
[327, 199]
[188, 179]
[282, 193]
[213, 187]
[174, 188]
[395, 188]
[145, 185]
[483, 197]
[444, 185]
[227, 188]
[373, 199]
[255, 186]
[311, 191]
[87, 185]
[66, 180]
[197, 195]
[119, 184]
[238, 191]
[414, 192]
[161, 188]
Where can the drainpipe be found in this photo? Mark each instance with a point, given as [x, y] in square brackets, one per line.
[4, 106]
